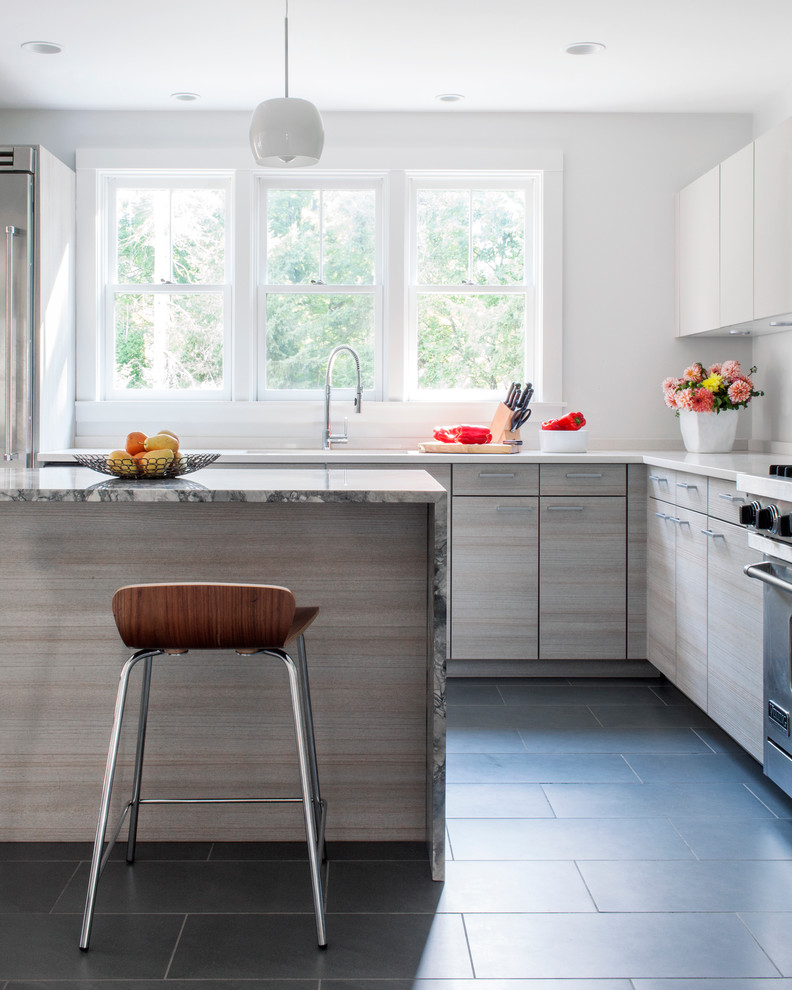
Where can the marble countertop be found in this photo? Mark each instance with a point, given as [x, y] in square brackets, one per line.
[267, 484]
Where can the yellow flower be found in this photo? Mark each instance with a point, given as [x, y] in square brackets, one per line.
[712, 384]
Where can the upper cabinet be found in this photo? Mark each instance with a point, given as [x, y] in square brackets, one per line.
[734, 242]
[715, 247]
[773, 222]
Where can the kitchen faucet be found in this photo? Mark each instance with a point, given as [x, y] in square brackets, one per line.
[329, 438]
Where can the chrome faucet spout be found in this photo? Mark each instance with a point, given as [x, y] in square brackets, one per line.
[328, 437]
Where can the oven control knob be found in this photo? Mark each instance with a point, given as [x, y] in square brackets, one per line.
[766, 517]
[783, 526]
[748, 513]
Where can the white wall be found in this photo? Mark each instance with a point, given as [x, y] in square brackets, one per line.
[621, 172]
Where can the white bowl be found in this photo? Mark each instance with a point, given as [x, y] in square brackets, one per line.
[563, 441]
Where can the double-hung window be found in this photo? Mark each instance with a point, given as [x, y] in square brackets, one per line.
[168, 298]
[472, 298]
[320, 282]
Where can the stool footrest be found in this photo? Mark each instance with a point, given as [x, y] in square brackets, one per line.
[224, 800]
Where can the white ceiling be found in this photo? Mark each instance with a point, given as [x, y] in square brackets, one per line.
[662, 55]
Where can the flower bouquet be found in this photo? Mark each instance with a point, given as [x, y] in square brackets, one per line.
[722, 386]
[721, 389]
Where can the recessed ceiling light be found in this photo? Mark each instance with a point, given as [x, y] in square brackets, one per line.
[186, 97]
[585, 48]
[42, 47]
[450, 97]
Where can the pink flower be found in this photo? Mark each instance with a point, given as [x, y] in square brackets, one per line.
[701, 400]
[731, 369]
[716, 369]
[670, 398]
[740, 391]
[684, 399]
[695, 373]
[669, 383]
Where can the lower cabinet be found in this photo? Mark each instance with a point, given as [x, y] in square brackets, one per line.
[582, 578]
[704, 617]
[494, 586]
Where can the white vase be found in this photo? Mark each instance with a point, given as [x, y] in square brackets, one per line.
[708, 433]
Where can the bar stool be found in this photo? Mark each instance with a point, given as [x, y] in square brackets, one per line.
[160, 619]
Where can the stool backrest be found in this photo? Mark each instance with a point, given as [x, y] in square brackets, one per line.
[201, 616]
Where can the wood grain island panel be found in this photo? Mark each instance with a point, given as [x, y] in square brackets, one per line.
[219, 723]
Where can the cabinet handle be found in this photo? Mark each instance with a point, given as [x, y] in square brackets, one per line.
[681, 522]
[684, 484]
[715, 536]
[565, 508]
[732, 498]
[514, 508]
[663, 515]
[660, 480]
[496, 474]
[583, 474]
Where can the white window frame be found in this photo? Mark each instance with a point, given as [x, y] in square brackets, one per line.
[111, 181]
[531, 184]
[377, 182]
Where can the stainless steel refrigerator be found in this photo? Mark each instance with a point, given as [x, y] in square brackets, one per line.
[37, 345]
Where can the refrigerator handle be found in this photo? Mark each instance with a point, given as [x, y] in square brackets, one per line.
[8, 454]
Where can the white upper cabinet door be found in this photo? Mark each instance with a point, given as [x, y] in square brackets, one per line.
[736, 237]
[773, 222]
[698, 254]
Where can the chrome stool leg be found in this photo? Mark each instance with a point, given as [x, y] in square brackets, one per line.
[98, 860]
[311, 833]
[320, 806]
[134, 804]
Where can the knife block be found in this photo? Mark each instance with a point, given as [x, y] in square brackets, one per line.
[499, 427]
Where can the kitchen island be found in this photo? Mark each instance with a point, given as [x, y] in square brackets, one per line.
[368, 547]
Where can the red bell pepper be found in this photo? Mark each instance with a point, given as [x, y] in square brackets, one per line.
[572, 421]
[463, 434]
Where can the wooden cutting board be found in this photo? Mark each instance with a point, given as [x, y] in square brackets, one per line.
[436, 447]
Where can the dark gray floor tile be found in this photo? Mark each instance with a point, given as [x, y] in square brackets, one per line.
[771, 930]
[497, 801]
[360, 946]
[566, 839]
[182, 888]
[595, 739]
[469, 886]
[383, 888]
[771, 795]
[298, 851]
[32, 886]
[757, 983]
[510, 985]
[599, 693]
[520, 716]
[165, 985]
[224, 851]
[483, 741]
[44, 851]
[678, 800]
[646, 716]
[668, 693]
[695, 885]
[44, 947]
[716, 839]
[158, 851]
[529, 768]
[717, 739]
[687, 767]
[467, 692]
[563, 946]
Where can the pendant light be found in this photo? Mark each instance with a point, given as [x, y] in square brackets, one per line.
[286, 132]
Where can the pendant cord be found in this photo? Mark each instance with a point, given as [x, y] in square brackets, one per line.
[286, 49]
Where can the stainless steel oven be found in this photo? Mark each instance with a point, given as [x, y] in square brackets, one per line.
[768, 516]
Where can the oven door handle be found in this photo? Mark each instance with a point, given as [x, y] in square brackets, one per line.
[764, 572]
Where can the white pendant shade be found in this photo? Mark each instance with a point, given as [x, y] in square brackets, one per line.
[286, 133]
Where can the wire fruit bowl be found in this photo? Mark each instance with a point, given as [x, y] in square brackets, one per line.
[155, 467]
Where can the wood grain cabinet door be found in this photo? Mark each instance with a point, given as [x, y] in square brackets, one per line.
[494, 584]
[661, 587]
[691, 605]
[583, 578]
[734, 624]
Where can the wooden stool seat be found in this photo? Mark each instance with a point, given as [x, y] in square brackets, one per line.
[174, 618]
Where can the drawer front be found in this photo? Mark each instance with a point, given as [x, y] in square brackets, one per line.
[691, 491]
[496, 479]
[724, 501]
[661, 483]
[583, 479]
